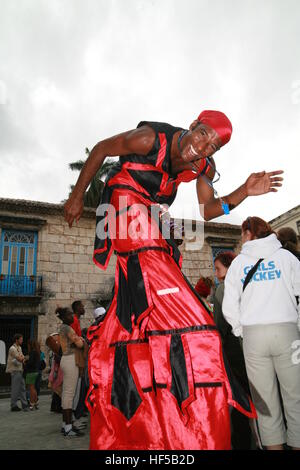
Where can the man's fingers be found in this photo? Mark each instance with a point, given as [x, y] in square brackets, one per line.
[275, 184]
[276, 179]
[277, 172]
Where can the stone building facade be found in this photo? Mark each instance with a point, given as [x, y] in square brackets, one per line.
[44, 263]
[290, 219]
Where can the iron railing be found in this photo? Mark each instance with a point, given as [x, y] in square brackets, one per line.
[12, 285]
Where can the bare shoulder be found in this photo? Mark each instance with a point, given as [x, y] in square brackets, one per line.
[140, 140]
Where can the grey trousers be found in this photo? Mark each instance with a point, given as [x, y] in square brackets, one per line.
[18, 389]
[273, 352]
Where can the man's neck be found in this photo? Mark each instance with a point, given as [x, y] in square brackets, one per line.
[178, 164]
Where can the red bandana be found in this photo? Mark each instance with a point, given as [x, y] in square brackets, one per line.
[219, 122]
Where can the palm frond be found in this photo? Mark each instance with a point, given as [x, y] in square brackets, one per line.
[77, 166]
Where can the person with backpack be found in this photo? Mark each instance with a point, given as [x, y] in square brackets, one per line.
[261, 286]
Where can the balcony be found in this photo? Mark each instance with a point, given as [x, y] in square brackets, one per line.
[13, 286]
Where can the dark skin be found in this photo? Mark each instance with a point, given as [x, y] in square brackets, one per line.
[68, 320]
[79, 311]
[200, 142]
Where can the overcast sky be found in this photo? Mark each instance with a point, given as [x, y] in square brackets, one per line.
[73, 72]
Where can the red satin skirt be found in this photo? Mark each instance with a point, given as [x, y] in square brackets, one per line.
[157, 374]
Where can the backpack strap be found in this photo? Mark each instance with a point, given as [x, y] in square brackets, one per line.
[251, 273]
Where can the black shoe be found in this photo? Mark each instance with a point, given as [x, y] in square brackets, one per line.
[25, 408]
[15, 408]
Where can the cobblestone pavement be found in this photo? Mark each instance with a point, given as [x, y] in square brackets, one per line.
[36, 430]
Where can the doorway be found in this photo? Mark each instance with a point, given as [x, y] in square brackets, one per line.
[9, 326]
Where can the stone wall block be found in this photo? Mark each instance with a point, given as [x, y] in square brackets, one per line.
[56, 229]
[71, 248]
[55, 248]
[73, 231]
[66, 258]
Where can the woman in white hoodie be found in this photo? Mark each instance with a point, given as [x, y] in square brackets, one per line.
[262, 308]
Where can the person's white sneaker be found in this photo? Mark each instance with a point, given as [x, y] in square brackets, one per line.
[73, 433]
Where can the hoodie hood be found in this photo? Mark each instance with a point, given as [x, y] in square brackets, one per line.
[261, 247]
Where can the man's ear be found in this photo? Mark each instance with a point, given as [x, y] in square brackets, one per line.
[194, 125]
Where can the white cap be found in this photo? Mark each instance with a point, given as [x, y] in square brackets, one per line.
[98, 312]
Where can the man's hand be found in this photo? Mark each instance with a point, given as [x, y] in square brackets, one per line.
[73, 209]
[262, 182]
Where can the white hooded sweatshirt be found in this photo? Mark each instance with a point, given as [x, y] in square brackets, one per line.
[270, 295]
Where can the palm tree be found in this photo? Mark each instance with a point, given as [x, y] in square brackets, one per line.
[93, 194]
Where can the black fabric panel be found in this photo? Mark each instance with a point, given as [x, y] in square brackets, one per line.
[124, 308]
[238, 393]
[124, 394]
[102, 257]
[140, 250]
[150, 180]
[181, 330]
[179, 387]
[100, 242]
[147, 389]
[131, 341]
[169, 131]
[136, 286]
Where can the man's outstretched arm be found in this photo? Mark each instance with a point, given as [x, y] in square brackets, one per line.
[255, 185]
[136, 141]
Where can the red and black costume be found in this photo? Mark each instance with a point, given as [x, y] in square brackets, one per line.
[158, 376]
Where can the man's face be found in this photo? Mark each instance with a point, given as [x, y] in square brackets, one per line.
[20, 341]
[201, 142]
[81, 310]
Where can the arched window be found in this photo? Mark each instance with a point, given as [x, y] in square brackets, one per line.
[18, 253]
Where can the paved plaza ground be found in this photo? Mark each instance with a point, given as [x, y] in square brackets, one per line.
[36, 430]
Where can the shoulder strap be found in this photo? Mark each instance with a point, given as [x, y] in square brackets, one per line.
[251, 273]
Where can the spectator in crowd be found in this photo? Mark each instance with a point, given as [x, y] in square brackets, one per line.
[56, 376]
[288, 239]
[39, 377]
[241, 437]
[78, 311]
[99, 315]
[14, 367]
[78, 407]
[81, 410]
[260, 304]
[32, 367]
[2, 353]
[69, 341]
[203, 287]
